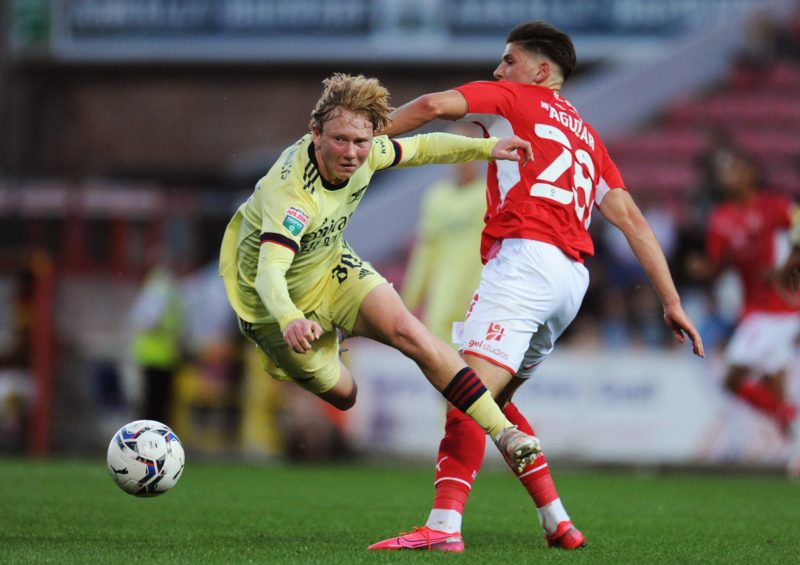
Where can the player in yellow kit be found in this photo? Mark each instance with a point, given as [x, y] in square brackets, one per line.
[293, 280]
[445, 267]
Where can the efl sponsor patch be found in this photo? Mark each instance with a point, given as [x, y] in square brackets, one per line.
[295, 220]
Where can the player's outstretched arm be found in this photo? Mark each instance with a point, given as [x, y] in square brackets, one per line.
[448, 105]
[443, 148]
[620, 209]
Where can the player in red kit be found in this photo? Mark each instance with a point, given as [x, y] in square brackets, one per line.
[749, 231]
[534, 245]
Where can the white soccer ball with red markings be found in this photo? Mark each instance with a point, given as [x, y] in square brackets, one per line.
[145, 458]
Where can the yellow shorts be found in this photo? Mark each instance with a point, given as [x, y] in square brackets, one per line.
[317, 370]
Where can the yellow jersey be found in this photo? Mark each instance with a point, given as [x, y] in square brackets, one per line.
[281, 248]
[445, 265]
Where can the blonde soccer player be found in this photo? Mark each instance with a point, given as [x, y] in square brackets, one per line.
[293, 280]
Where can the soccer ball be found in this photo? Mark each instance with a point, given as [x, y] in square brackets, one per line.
[145, 458]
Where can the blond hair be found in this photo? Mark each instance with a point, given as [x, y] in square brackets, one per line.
[358, 94]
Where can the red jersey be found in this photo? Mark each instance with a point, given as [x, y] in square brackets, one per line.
[749, 236]
[550, 199]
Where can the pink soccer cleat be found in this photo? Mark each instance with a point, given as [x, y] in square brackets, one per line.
[567, 536]
[423, 538]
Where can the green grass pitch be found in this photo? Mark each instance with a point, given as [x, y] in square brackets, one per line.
[71, 512]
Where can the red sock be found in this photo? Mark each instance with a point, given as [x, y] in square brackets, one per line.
[458, 462]
[535, 477]
[759, 396]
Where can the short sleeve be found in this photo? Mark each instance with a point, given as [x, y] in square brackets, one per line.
[609, 177]
[488, 97]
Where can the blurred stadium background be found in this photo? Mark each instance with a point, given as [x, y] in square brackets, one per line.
[132, 125]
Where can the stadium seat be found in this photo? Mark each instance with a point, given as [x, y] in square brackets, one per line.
[758, 107]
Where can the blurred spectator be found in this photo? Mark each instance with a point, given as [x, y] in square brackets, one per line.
[762, 37]
[310, 429]
[713, 313]
[445, 267]
[711, 164]
[624, 270]
[631, 312]
[646, 319]
[792, 48]
[16, 393]
[207, 397]
[742, 234]
[615, 329]
[767, 41]
[157, 324]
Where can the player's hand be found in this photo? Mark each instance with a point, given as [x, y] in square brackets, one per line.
[300, 333]
[513, 148]
[679, 324]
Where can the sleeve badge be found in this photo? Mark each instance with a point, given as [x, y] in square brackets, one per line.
[295, 220]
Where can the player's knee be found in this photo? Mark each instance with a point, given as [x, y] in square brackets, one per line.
[348, 401]
[410, 336]
[344, 404]
[341, 400]
[734, 378]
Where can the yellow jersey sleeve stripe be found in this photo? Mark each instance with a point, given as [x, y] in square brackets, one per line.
[280, 240]
[398, 152]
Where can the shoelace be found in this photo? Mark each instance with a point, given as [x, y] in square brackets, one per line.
[425, 531]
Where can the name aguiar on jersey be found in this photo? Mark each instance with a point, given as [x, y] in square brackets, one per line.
[570, 121]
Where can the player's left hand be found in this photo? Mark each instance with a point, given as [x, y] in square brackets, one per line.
[679, 324]
[513, 148]
[300, 333]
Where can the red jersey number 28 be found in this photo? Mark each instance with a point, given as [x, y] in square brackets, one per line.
[579, 190]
